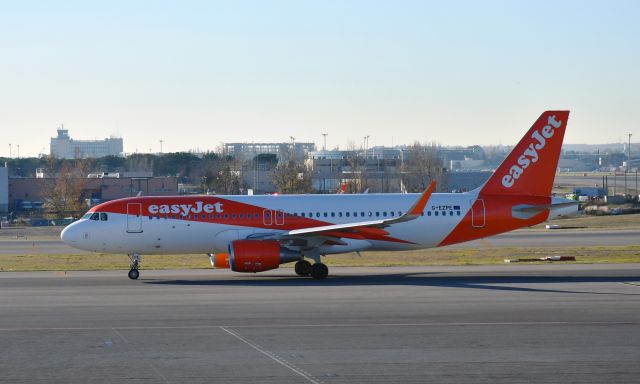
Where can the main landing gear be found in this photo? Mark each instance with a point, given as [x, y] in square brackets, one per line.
[316, 270]
[319, 271]
[135, 263]
[303, 268]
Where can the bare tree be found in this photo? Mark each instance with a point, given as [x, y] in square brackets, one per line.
[292, 177]
[224, 176]
[421, 166]
[356, 180]
[64, 195]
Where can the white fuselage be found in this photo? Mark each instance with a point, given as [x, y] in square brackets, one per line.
[211, 232]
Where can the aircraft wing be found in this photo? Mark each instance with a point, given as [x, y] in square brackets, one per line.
[364, 228]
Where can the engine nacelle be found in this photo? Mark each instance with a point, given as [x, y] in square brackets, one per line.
[259, 255]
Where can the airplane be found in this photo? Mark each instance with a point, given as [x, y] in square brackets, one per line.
[259, 233]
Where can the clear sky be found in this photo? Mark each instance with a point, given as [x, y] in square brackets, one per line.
[196, 74]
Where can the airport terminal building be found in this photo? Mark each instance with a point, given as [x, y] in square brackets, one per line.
[64, 147]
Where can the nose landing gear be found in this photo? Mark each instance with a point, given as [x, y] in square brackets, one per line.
[134, 274]
[135, 263]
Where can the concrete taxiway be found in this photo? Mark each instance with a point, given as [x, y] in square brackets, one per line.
[495, 324]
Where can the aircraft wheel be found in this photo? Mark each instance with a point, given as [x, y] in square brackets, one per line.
[303, 268]
[134, 274]
[319, 271]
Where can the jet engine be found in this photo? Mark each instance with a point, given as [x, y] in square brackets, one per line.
[259, 255]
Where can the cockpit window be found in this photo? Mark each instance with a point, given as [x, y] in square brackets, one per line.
[103, 216]
[95, 216]
[87, 215]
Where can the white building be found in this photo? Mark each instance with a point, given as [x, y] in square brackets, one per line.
[64, 147]
[247, 151]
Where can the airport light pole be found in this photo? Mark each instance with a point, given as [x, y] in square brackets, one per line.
[629, 153]
[366, 145]
[161, 141]
[18, 151]
[293, 146]
[9, 150]
[324, 146]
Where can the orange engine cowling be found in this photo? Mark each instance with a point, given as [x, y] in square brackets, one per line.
[258, 255]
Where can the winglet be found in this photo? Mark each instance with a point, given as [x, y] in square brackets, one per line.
[418, 207]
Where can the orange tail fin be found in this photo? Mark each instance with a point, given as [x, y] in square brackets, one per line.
[531, 167]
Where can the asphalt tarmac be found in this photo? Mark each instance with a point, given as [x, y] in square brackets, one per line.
[553, 323]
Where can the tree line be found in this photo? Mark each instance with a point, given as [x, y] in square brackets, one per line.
[222, 174]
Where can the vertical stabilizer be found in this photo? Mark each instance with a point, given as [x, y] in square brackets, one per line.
[531, 167]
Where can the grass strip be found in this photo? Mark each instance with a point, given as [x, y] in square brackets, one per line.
[437, 256]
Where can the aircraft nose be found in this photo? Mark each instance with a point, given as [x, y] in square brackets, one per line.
[70, 234]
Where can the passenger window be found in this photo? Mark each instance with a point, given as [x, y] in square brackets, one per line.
[325, 214]
[377, 214]
[333, 214]
[384, 214]
[450, 213]
[429, 213]
[370, 213]
[302, 214]
[458, 213]
[241, 216]
[226, 215]
[391, 213]
[436, 213]
[317, 214]
[339, 214]
[347, 214]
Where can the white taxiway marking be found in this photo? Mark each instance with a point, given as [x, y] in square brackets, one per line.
[274, 357]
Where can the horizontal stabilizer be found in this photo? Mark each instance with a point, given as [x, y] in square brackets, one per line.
[527, 211]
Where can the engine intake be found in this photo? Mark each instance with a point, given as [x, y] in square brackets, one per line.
[259, 255]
